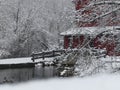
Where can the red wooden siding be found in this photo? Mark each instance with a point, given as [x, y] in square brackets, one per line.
[79, 4]
[108, 43]
[76, 42]
[66, 42]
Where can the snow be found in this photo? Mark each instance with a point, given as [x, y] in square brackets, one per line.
[15, 60]
[111, 58]
[22, 60]
[28, 60]
[101, 82]
[88, 30]
[95, 82]
[63, 72]
[4, 53]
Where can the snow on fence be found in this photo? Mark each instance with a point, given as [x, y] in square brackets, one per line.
[54, 53]
[47, 54]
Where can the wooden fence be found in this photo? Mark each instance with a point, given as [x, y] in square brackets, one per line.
[54, 53]
[47, 54]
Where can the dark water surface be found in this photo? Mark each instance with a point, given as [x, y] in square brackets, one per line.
[26, 74]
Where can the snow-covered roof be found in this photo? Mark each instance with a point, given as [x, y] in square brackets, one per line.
[88, 30]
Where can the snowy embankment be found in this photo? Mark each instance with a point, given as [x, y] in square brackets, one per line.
[28, 60]
[21, 60]
[15, 60]
[104, 82]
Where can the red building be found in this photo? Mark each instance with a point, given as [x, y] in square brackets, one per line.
[97, 37]
[90, 31]
[93, 12]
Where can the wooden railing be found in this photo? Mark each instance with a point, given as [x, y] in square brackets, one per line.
[47, 54]
[54, 53]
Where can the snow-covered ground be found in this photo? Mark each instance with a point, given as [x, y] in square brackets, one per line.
[111, 58]
[103, 82]
[15, 60]
[28, 60]
[21, 60]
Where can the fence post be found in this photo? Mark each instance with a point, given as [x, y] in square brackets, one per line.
[43, 55]
[53, 53]
[33, 58]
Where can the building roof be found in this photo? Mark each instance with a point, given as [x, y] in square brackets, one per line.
[88, 30]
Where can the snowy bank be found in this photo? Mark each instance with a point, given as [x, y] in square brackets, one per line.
[103, 82]
[21, 60]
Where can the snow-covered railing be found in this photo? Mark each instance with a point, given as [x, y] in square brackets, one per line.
[54, 53]
[47, 54]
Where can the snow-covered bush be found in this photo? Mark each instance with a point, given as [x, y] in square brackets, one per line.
[4, 54]
[88, 63]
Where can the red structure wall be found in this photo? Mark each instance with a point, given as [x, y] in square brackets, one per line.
[109, 45]
[73, 41]
[77, 41]
[80, 4]
[66, 42]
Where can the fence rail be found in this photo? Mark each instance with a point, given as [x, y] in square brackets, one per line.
[54, 53]
[47, 54]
